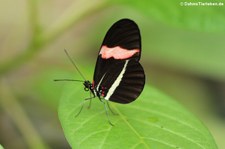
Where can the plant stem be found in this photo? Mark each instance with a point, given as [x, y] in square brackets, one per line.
[15, 111]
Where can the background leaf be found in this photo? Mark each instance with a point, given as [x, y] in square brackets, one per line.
[175, 13]
[153, 121]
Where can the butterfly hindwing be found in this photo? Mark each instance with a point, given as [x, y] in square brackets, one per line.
[131, 84]
[123, 82]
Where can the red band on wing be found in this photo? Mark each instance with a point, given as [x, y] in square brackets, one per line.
[117, 52]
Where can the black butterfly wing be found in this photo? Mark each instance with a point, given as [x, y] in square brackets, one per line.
[123, 82]
[125, 34]
[120, 52]
[131, 85]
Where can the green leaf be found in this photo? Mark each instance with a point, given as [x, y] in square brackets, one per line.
[193, 52]
[1, 147]
[152, 121]
[176, 13]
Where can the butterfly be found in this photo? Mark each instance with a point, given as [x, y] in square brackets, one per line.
[118, 76]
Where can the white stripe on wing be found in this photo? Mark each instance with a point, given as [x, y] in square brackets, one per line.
[116, 82]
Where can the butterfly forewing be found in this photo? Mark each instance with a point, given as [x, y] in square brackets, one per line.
[118, 76]
[124, 33]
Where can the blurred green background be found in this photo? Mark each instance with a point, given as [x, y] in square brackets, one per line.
[183, 55]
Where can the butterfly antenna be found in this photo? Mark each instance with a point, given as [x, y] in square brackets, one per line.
[68, 80]
[74, 64]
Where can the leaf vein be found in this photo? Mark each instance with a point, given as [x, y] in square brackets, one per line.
[162, 142]
[131, 127]
[91, 134]
[171, 131]
[103, 140]
[167, 116]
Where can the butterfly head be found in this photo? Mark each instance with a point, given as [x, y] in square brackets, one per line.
[87, 85]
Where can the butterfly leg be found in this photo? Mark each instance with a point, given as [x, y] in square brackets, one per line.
[106, 112]
[89, 106]
[82, 105]
[114, 113]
